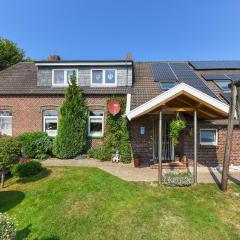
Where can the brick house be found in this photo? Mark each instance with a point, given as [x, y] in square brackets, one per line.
[156, 93]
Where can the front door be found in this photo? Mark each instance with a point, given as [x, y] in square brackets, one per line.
[167, 146]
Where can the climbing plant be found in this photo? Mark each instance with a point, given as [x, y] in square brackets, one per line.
[117, 136]
[176, 127]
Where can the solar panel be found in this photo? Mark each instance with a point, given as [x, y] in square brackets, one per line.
[187, 75]
[162, 72]
[201, 65]
[227, 96]
[211, 76]
[234, 76]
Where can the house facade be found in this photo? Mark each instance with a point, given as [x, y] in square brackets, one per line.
[156, 93]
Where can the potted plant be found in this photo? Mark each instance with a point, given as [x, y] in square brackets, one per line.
[137, 159]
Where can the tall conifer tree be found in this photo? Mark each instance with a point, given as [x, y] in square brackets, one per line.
[72, 129]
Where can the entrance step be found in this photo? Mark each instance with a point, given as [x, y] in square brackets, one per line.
[171, 165]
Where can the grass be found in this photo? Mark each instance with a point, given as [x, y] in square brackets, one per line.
[87, 203]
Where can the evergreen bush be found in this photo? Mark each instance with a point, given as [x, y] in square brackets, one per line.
[72, 129]
[101, 153]
[26, 169]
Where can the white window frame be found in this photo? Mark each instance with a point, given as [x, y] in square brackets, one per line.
[54, 119]
[209, 143]
[89, 123]
[104, 84]
[65, 76]
[11, 121]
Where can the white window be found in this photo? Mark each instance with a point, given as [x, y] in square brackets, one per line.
[50, 122]
[95, 123]
[208, 137]
[62, 77]
[223, 84]
[167, 85]
[6, 122]
[104, 77]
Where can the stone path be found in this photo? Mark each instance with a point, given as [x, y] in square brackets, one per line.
[144, 174]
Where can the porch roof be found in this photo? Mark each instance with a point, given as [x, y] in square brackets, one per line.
[183, 98]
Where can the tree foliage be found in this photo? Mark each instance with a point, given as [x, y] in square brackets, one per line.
[72, 130]
[117, 136]
[10, 54]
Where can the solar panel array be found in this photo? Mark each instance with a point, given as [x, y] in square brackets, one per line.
[227, 96]
[232, 76]
[185, 74]
[201, 65]
[211, 76]
[162, 72]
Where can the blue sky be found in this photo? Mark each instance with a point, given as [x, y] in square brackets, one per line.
[149, 29]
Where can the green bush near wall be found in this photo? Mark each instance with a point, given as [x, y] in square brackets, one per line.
[117, 137]
[36, 145]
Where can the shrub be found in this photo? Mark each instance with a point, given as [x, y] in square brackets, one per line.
[28, 140]
[178, 179]
[101, 153]
[117, 136]
[10, 150]
[7, 228]
[72, 129]
[26, 169]
[36, 145]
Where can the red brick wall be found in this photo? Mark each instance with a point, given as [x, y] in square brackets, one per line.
[207, 155]
[27, 111]
[142, 144]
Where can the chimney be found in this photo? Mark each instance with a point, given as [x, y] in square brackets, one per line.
[129, 56]
[54, 58]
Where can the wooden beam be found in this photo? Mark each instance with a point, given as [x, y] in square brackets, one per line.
[178, 109]
[195, 148]
[160, 149]
[228, 146]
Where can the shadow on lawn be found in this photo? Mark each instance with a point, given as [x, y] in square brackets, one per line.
[44, 173]
[217, 181]
[10, 199]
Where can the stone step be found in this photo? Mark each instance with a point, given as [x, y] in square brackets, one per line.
[170, 165]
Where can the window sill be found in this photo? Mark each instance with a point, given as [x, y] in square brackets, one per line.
[95, 137]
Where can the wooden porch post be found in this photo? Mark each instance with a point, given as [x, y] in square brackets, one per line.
[195, 148]
[160, 149]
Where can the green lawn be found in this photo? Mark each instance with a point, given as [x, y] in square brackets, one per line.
[87, 203]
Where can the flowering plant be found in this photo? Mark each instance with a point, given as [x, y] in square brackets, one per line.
[7, 228]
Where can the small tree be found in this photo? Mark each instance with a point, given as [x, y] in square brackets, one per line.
[10, 54]
[10, 149]
[72, 131]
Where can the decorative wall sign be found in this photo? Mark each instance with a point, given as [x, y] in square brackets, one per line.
[114, 107]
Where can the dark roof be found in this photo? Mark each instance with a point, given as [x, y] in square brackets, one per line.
[21, 79]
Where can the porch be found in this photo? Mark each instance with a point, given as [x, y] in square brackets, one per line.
[153, 118]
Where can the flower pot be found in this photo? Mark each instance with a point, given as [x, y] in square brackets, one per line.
[136, 162]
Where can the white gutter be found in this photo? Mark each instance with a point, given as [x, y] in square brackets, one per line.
[128, 104]
[84, 64]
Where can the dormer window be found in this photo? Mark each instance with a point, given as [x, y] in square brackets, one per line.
[167, 85]
[104, 77]
[62, 77]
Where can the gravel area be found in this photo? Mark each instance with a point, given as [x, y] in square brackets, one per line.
[143, 174]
